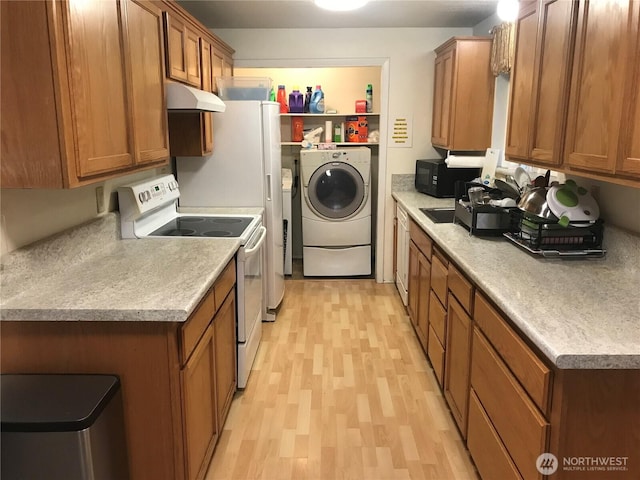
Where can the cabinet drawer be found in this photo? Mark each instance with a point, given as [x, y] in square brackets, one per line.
[225, 283]
[421, 239]
[435, 351]
[489, 454]
[437, 317]
[534, 376]
[519, 424]
[195, 326]
[439, 278]
[461, 288]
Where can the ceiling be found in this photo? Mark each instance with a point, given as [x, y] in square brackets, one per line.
[216, 14]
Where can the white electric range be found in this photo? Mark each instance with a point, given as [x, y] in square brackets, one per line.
[149, 209]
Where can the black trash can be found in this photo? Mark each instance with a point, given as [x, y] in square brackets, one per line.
[66, 427]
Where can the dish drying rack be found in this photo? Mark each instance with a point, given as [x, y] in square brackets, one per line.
[550, 239]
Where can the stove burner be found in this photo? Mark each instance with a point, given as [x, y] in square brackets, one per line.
[192, 219]
[180, 232]
[217, 233]
[226, 220]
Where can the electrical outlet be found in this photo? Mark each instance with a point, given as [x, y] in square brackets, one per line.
[100, 199]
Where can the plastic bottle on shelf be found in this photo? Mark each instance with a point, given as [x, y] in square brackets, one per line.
[296, 101]
[282, 99]
[307, 100]
[272, 95]
[369, 98]
[317, 101]
[297, 129]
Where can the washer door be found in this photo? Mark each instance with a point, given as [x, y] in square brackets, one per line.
[336, 190]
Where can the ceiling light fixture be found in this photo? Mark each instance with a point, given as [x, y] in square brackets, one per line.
[340, 5]
[508, 10]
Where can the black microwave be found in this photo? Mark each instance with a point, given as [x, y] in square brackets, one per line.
[434, 178]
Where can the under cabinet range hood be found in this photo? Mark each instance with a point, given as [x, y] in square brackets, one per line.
[185, 98]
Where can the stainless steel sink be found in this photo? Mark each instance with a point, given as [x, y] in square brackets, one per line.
[439, 215]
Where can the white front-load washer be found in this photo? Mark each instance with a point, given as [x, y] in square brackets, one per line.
[336, 212]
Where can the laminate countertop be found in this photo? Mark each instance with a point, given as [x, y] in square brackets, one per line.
[89, 273]
[581, 314]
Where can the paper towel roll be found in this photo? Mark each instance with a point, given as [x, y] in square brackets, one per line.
[328, 129]
[457, 161]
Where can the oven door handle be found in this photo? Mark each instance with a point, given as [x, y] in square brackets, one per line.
[250, 251]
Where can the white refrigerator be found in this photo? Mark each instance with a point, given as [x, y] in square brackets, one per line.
[243, 171]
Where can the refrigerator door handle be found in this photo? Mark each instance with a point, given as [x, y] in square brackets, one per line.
[269, 187]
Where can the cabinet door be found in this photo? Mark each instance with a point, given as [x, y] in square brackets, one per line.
[147, 77]
[183, 52]
[199, 404]
[207, 85]
[102, 111]
[518, 128]
[442, 98]
[205, 59]
[414, 283]
[224, 326]
[629, 162]
[457, 354]
[472, 99]
[227, 66]
[221, 65]
[423, 300]
[601, 62]
[217, 66]
[551, 82]
[207, 132]
[176, 41]
[192, 55]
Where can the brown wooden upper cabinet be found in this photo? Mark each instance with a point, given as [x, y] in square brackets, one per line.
[463, 94]
[540, 81]
[221, 65]
[603, 121]
[574, 100]
[79, 107]
[183, 51]
[196, 58]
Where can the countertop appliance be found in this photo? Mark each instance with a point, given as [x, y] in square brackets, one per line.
[244, 171]
[336, 212]
[434, 178]
[148, 209]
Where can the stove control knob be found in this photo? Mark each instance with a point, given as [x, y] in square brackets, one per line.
[141, 197]
[147, 195]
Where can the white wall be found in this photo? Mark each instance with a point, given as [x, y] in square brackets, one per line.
[30, 215]
[408, 52]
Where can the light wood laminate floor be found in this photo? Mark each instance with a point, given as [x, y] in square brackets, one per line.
[340, 390]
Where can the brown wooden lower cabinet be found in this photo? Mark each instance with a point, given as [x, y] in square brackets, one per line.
[458, 358]
[419, 288]
[518, 422]
[225, 351]
[177, 379]
[487, 450]
[199, 403]
[508, 400]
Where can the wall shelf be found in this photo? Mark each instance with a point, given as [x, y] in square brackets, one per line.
[329, 114]
[314, 120]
